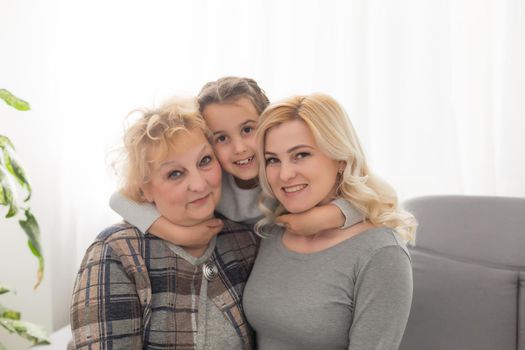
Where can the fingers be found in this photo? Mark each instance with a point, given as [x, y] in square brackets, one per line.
[286, 222]
[212, 227]
[214, 223]
[283, 220]
[214, 230]
[294, 224]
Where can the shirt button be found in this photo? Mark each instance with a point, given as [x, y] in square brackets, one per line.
[210, 271]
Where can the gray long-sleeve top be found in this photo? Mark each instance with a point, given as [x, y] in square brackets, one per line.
[355, 295]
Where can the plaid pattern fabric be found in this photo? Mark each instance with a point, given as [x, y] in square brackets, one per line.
[133, 292]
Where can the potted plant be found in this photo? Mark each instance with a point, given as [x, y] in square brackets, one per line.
[15, 192]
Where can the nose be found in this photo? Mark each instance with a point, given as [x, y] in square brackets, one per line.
[238, 145]
[197, 182]
[286, 172]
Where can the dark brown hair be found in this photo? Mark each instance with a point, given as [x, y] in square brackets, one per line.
[230, 89]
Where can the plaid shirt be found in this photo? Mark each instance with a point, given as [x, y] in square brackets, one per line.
[133, 292]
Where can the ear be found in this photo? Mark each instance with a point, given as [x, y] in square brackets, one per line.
[146, 192]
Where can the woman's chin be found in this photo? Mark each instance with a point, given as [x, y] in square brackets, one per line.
[296, 208]
[200, 219]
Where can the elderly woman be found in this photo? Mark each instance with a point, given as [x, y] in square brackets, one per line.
[340, 288]
[136, 291]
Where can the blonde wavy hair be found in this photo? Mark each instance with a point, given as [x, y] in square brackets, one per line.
[149, 139]
[336, 137]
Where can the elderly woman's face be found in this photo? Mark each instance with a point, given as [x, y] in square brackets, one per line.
[186, 185]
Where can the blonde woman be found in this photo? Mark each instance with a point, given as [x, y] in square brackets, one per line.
[137, 291]
[340, 288]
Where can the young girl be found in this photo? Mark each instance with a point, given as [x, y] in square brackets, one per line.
[231, 107]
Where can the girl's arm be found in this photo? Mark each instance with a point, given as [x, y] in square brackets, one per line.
[339, 213]
[186, 236]
[147, 219]
[141, 215]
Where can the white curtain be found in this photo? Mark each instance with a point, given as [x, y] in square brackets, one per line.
[436, 90]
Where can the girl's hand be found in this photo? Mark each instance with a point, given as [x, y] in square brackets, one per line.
[313, 221]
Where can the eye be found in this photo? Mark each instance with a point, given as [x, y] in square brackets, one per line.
[175, 174]
[247, 130]
[302, 155]
[206, 160]
[271, 160]
[221, 139]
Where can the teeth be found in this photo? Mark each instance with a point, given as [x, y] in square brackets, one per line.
[293, 188]
[244, 161]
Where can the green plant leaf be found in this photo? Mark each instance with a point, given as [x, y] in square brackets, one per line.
[12, 164]
[6, 190]
[11, 314]
[30, 227]
[2, 310]
[14, 101]
[8, 313]
[5, 142]
[2, 347]
[30, 331]
[4, 289]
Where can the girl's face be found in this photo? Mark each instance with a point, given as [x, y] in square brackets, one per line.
[299, 173]
[186, 185]
[233, 128]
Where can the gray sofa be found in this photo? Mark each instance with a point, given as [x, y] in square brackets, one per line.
[469, 274]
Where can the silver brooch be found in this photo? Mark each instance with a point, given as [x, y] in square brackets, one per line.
[210, 271]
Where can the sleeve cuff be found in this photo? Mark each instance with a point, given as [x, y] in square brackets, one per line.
[351, 214]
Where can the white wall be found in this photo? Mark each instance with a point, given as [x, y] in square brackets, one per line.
[26, 70]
